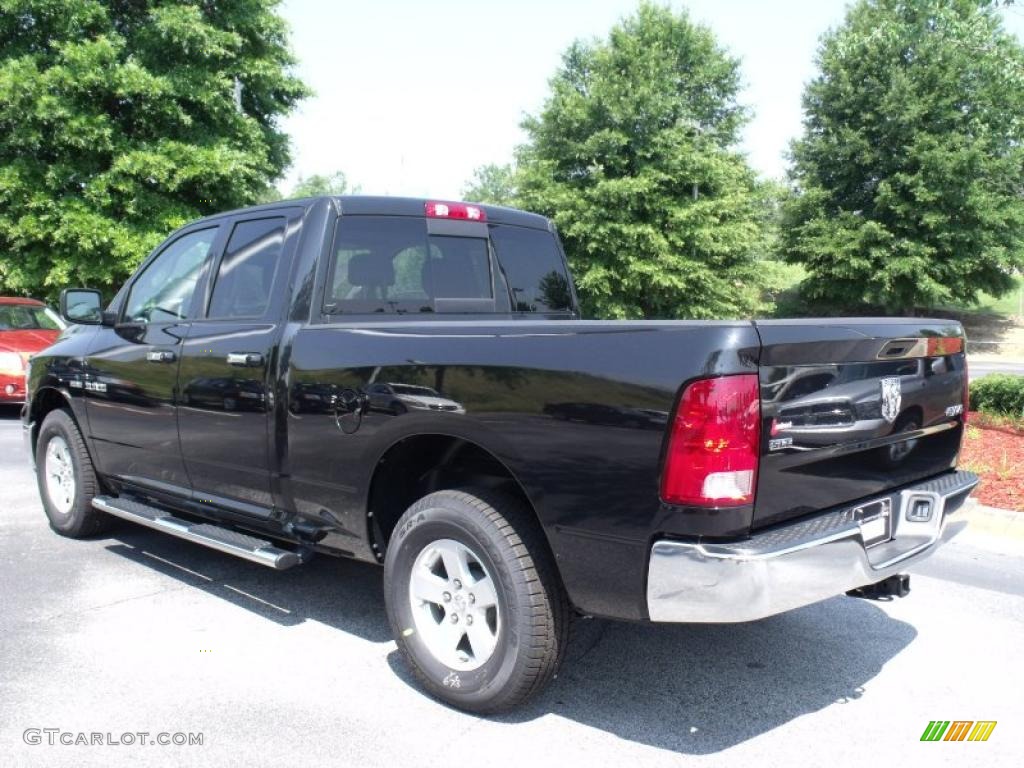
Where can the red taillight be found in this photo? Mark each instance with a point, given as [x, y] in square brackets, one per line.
[714, 446]
[939, 346]
[455, 211]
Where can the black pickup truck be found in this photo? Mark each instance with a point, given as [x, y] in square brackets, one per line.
[409, 383]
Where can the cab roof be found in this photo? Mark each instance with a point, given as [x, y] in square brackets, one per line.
[21, 300]
[369, 205]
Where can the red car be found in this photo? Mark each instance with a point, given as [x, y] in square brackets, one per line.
[26, 327]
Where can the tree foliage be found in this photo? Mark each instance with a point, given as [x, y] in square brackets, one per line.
[323, 184]
[633, 157]
[493, 183]
[122, 119]
[908, 177]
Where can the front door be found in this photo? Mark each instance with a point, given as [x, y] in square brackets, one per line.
[226, 369]
[132, 368]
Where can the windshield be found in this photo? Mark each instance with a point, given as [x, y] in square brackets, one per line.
[27, 317]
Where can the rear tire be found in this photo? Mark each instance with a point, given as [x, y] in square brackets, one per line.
[67, 480]
[481, 559]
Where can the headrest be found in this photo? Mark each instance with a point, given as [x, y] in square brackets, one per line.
[365, 269]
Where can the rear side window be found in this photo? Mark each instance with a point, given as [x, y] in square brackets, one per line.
[391, 264]
[533, 266]
[245, 277]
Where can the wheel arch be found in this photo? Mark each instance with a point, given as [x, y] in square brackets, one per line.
[45, 400]
[909, 414]
[416, 465]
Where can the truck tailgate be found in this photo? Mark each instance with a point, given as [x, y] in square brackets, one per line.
[852, 408]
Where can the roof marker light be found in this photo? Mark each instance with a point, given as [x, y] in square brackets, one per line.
[463, 211]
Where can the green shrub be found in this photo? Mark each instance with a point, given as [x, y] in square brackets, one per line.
[998, 393]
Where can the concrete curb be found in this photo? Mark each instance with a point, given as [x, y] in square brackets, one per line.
[993, 521]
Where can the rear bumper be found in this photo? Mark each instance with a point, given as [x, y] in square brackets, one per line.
[802, 562]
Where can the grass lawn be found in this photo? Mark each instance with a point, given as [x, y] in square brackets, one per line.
[783, 282]
[1010, 304]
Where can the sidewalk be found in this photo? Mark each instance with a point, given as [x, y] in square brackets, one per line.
[991, 522]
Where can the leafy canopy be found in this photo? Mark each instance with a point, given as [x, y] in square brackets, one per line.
[633, 157]
[494, 184]
[122, 119]
[908, 177]
[323, 184]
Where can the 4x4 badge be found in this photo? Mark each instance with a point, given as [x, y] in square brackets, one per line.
[892, 397]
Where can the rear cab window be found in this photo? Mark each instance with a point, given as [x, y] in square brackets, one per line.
[533, 267]
[398, 264]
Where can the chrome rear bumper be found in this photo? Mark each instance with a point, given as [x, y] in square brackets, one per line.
[800, 563]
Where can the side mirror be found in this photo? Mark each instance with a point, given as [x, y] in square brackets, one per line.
[81, 306]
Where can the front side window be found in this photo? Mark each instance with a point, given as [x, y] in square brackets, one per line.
[391, 264]
[163, 293]
[246, 273]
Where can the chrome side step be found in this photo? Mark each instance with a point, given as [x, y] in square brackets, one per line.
[222, 539]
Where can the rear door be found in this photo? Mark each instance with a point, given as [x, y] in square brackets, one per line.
[853, 408]
[132, 368]
[227, 359]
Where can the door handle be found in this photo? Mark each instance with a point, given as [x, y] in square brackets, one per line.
[161, 356]
[245, 359]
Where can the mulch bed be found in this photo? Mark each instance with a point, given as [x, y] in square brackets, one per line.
[1000, 423]
[996, 453]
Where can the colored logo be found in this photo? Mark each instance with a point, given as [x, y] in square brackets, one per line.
[958, 730]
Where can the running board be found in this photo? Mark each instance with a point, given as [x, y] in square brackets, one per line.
[209, 535]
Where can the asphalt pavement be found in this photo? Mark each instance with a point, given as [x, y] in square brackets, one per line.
[138, 632]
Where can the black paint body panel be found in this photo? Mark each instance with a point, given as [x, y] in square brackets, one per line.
[822, 381]
[593, 479]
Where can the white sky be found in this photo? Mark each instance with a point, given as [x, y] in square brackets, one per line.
[412, 95]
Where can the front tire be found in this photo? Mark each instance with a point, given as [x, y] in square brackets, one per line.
[474, 602]
[67, 480]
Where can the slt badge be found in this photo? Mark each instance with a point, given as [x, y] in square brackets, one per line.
[892, 397]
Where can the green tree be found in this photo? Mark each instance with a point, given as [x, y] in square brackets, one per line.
[319, 184]
[121, 120]
[493, 183]
[908, 177]
[632, 156]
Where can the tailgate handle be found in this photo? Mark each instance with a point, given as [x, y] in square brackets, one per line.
[903, 348]
[245, 359]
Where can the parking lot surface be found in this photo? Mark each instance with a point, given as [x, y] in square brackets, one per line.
[140, 632]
